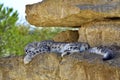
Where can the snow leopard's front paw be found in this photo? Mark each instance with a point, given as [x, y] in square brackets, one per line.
[65, 53]
[27, 59]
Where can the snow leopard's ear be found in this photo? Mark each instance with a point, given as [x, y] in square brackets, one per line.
[87, 46]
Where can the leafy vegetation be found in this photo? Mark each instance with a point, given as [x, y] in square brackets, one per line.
[8, 18]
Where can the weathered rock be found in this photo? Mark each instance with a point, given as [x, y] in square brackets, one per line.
[52, 67]
[71, 13]
[100, 33]
[43, 67]
[67, 36]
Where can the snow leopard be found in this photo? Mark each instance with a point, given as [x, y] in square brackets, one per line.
[50, 46]
[64, 48]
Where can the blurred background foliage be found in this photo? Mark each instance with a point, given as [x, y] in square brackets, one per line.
[14, 37]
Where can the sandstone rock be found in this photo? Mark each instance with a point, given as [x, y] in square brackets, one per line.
[67, 36]
[52, 67]
[44, 67]
[71, 13]
[100, 33]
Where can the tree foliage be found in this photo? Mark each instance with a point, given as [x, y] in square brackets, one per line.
[8, 18]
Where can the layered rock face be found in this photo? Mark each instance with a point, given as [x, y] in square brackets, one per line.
[100, 33]
[52, 67]
[72, 13]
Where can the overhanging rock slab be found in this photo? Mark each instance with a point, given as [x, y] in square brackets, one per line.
[70, 13]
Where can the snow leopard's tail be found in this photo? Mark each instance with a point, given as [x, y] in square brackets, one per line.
[104, 51]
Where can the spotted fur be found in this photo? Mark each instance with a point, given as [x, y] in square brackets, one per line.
[105, 51]
[64, 48]
[49, 46]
